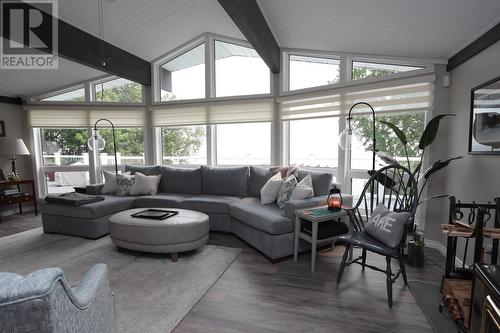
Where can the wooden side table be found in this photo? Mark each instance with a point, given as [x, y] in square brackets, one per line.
[314, 216]
[22, 197]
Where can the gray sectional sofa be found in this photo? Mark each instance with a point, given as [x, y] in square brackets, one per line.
[230, 196]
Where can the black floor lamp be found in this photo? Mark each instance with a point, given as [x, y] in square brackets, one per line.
[345, 138]
[98, 142]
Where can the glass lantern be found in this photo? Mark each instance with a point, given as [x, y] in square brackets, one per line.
[334, 200]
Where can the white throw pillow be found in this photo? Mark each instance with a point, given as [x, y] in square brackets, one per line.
[269, 192]
[145, 185]
[304, 189]
[110, 183]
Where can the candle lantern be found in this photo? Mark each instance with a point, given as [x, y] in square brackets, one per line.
[334, 199]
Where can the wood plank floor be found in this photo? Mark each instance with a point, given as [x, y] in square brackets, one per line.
[13, 224]
[254, 295]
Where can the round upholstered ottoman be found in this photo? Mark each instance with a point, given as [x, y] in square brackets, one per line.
[188, 230]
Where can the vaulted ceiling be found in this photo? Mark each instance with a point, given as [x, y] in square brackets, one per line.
[409, 28]
[149, 28]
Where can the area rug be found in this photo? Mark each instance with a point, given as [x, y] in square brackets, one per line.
[152, 293]
[428, 298]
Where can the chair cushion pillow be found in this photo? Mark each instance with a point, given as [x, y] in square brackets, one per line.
[231, 181]
[145, 185]
[180, 180]
[387, 226]
[258, 177]
[270, 190]
[286, 190]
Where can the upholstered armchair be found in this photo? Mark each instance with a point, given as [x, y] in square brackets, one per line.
[43, 301]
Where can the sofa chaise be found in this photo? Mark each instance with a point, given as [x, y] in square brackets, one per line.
[230, 196]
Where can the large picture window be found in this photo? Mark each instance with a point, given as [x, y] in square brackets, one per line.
[313, 142]
[306, 72]
[244, 144]
[239, 71]
[184, 76]
[184, 145]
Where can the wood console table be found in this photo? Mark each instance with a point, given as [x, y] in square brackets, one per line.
[28, 196]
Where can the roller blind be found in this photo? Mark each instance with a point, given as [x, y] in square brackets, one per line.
[81, 117]
[395, 96]
[58, 118]
[119, 118]
[213, 113]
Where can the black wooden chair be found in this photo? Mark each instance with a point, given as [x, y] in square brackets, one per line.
[395, 187]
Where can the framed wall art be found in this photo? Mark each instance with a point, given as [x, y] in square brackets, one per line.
[484, 131]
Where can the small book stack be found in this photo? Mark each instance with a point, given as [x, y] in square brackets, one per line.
[9, 191]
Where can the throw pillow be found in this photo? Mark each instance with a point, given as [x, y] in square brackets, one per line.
[125, 183]
[286, 190]
[110, 182]
[387, 226]
[269, 192]
[145, 185]
[304, 189]
[286, 171]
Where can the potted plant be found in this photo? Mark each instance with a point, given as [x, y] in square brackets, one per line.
[426, 139]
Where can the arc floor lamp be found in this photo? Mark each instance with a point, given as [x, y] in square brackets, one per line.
[97, 142]
[345, 139]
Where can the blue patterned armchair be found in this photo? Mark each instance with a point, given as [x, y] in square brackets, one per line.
[43, 301]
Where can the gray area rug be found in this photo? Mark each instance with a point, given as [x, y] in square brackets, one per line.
[152, 294]
[428, 298]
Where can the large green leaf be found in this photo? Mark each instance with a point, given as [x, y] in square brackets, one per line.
[439, 165]
[399, 133]
[431, 130]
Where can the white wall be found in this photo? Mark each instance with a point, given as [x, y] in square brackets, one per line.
[15, 127]
[475, 177]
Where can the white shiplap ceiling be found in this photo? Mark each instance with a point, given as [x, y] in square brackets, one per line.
[149, 28]
[407, 28]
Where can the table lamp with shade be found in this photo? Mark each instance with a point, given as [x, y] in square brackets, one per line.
[13, 147]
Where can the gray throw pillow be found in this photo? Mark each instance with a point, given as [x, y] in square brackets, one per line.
[286, 190]
[125, 184]
[387, 226]
[148, 170]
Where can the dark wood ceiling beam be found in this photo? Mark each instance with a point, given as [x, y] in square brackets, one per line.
[247, 16]
[486, 40]
[79, 46]
[10, 100]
